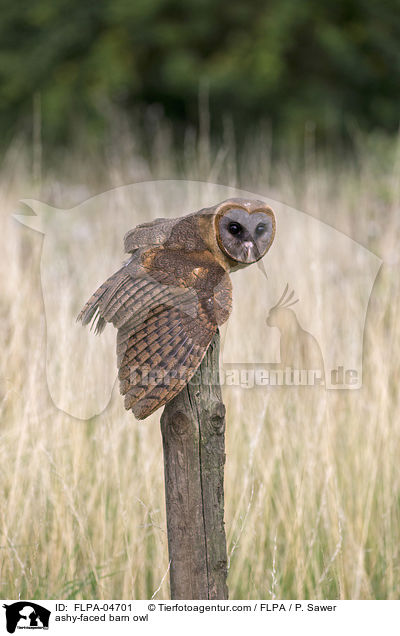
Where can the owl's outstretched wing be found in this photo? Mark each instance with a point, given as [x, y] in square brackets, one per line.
[166, 305]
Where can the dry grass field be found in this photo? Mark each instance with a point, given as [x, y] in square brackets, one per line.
[312, 478]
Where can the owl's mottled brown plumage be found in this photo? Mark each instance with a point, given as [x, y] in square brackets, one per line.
[169, 298]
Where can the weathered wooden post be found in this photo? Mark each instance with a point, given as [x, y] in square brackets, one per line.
[193, 432]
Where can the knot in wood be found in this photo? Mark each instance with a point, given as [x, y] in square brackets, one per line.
[180, 424]
[217, 416]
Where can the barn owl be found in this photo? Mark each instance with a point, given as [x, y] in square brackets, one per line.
[169, 298]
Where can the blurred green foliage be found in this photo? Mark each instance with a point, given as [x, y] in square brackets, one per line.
[330, 62]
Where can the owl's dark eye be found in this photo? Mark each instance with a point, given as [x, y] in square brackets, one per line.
[260, 229]
[234, 228]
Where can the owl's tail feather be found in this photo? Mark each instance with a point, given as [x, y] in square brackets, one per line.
[97, 303]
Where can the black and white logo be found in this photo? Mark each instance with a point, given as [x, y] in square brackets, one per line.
[26, 615]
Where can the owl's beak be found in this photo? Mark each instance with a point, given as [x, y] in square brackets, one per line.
[248, 250]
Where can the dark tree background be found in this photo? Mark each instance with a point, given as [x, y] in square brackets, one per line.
[331, 62]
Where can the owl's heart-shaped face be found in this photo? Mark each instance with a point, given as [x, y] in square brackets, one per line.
[245, 236]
